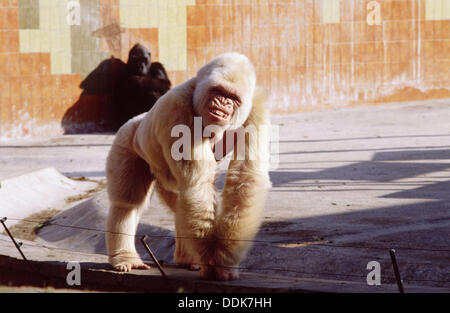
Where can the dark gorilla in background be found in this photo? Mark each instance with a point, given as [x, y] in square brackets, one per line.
[139, 85]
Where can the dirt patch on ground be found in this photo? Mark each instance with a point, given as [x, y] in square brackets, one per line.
[101, 185]
[28, 228]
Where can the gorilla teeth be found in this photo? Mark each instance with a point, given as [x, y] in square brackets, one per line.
[219, 113]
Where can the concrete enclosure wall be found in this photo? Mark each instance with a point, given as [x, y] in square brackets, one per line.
[309, 54]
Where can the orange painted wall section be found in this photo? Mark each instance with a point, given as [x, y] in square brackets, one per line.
[309, 54]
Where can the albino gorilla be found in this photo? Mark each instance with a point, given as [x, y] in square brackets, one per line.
[216, 238]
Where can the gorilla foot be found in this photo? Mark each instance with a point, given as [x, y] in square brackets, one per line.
[185, 259]
[227, 273]
[126, 261]
[128, 266]
[222, 273]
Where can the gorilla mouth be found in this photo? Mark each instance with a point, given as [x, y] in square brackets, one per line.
[219, 113]
[221, 108]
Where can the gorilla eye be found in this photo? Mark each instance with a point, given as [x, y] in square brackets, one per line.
[234, 99]
[225, 93]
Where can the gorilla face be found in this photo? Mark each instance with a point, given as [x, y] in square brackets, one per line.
[139, 61]
[220, 107]
[224, 91]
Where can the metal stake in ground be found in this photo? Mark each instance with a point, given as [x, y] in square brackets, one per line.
[143, 240]
[396, 271]
[3, 220]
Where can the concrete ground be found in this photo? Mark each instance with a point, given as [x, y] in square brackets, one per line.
[350, 185]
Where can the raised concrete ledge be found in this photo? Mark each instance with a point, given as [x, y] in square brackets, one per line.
[38, 190]
[48, 267]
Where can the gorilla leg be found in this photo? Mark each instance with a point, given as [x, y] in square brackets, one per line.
[182, 255]
[194, 222]
[130, 185]
[243, 201]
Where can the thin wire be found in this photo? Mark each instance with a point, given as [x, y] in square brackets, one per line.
[258, 241]
[252, 269]
[227, 267]
[273, 243]
[385, 248]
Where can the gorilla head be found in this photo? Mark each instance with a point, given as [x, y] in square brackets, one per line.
[224, 90]
[139, 60]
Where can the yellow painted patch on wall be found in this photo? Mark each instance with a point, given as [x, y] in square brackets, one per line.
[53, 35]
[330, 11]
[170, 18]
[437, 9]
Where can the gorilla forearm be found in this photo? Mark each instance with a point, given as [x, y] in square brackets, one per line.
[240, 218]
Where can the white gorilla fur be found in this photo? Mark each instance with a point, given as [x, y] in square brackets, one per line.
[140, 160]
